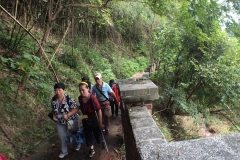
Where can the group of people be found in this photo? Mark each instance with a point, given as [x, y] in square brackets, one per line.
[95, 103]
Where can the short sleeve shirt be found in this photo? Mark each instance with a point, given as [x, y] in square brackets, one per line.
[89, 107]
[63, 108]
[105, 90]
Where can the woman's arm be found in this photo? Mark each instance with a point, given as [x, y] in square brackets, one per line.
[73, 107]
[69, 114]
[115, 98]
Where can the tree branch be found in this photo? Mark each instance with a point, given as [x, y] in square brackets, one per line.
[65, 33]
[32, 38]
[5, 133]
[59, 9]
[87, 5]
[225, 116]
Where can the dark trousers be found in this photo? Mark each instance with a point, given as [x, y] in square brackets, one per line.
[91, 134]
[114, 107]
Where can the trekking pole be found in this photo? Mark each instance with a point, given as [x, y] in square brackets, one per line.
[109, 156]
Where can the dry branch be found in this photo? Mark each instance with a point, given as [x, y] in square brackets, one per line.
[88, 5]
[5, 133]
[59, 43]
[225, 116]
[159, 111]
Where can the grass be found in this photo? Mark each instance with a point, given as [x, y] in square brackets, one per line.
[186, 127]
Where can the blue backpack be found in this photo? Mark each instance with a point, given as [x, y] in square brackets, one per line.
[76, 137]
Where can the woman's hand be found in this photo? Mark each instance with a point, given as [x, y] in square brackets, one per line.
[101, 126]
[65, 116]
[54, 118]
[117, 104]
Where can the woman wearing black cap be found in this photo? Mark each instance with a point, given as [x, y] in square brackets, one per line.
[64, 109]
[113, 104]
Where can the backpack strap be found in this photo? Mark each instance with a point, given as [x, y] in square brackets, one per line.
[101, 92]
[68, 100]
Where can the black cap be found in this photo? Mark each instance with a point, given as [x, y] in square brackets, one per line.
[111, 82]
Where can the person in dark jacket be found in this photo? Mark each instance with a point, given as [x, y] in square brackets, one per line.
[113, 104]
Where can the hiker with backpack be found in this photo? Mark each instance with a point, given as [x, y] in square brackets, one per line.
[64, 111]
[102, 91]
[114, 106]
[92, 117]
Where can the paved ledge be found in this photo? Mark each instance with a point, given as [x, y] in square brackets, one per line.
[143, 126]
[212, 148]
[151, 143]
[135, 90]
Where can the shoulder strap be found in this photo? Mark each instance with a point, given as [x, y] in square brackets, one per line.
[92, 102]
[101, 92]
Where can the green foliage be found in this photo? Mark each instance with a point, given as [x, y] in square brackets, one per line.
[9, 62]
[4, 36]
[26, 62]
[198, 69]
[5, 150]
[69, 59]
[127, 67]
[7, 87]
[233, 29]
[163, 126]
[133, 21]
[123, 149]
[43, 93]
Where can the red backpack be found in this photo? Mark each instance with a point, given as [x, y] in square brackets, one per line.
[116, 91]
[2, 157]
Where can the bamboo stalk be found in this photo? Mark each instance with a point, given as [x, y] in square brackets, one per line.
[55, 75]
[65, 33]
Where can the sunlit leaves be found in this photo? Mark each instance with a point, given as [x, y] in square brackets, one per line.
[198, 67]
[134, 20]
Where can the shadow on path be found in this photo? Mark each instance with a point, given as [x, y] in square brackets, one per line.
[47, 151]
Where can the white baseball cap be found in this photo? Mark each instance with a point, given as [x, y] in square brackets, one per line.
[98, 75]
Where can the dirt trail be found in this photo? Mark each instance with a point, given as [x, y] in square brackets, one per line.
[47, 151]
[138, 75]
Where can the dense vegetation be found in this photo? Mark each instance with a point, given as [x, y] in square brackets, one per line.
[55, 40]
[199, 61]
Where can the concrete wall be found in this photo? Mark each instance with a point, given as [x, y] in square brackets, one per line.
[138, 125]
[129, 140]
[144, 141]
[140, 130]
